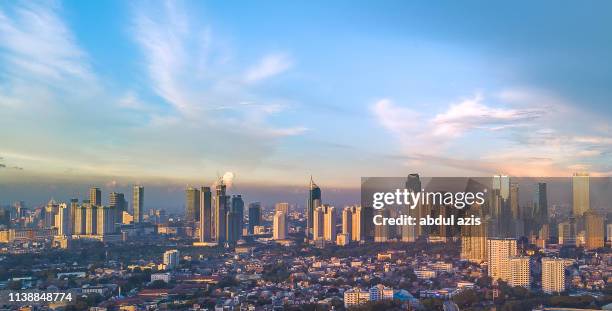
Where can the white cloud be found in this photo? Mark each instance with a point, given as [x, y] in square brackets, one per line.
[267, 67]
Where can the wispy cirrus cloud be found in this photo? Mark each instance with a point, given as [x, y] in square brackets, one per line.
[37, 43]
[269, 66]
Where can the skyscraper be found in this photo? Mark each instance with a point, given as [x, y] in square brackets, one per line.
[520, 271]
[499, 252]
[329, 230]
[540, 203]
[74, 203]
[567, 232]
[514, 201]
[192, 204]
[314, 200]
[235, 218]
[220, 213]
[318, 223]
[117, 202]
[62, 220]
[282, 206]
[79, 220]
[357, 226]
[279, 229]
[580, 194]
[347, 219]
[51, 210]
[105, 219]
[91, 219]
[594, 224]
[138, 203]
[254, 216]
[205, 214]
[95, 196]
[410, 233]
[553, 275]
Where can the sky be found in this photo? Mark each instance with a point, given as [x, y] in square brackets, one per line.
[174, 93]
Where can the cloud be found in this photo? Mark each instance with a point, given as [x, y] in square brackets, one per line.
[471, 113]
[37, 43]
[521, 132]
[267, 67]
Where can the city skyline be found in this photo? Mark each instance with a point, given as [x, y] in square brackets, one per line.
[123, 99]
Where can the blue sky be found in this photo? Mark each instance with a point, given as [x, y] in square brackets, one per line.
[178, 92]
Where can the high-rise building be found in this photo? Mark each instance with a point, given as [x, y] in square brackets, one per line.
[609, 232]
[171, 259]
[357, 226]
[381, 232]
[105, 220]
[254, 216]
[51, 210]
[74, 203]
[62, 220]
[95, 196]
[235, 218]
[318, 223]
[474, 241]
[410, 233]
[282, 207]
[567, 232]
[220, 213]
[502, 183]
[347, 219]
[594, 224]
[520, 271]
[314, 200]
[553, 275]
[540, 203]
[138, 203]
[117, 202]
[514, 201]
[279, 231]
[205, 214]
[79, 220]
[192, 204]
[499, 252]
[580, 194]
[91, 219]
[329, 219]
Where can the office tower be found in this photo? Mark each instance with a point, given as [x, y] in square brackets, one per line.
[279, 231]
[192, 204]
[282, 207]
[51, 210]
[138, 203]
[79, 220]
[314, 200]
[105, 220]
[205, 214]
[235, 218]
[609, 232]
[220, 213]
[594, 224]
[553, 275]
[254, 216]
[580, 194]
[502, 183]
[95, 196]
[347, 217]
[499, 252]
[63, 221]
[514, 201]
[520, 271]
[356, 224]
[329, 219]
[171, 259]
[91, 219]
[567, 232]
[318, 223]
